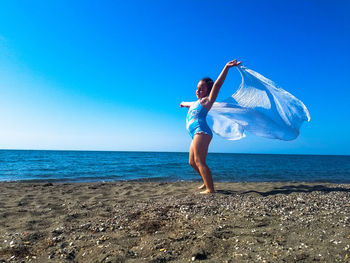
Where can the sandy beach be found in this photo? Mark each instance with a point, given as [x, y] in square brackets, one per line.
[172, 222]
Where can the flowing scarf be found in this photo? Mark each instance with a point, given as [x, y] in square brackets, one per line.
[259, 107]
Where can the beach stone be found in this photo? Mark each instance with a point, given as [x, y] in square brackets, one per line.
[198, 254]
[57, 231]
[32, 236]
[70, 255]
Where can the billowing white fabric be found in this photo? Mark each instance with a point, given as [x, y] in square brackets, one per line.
[259, 107]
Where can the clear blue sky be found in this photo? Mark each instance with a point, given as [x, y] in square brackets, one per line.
[109, 75]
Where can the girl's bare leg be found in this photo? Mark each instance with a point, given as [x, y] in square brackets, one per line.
[200, 146]
[193, 164]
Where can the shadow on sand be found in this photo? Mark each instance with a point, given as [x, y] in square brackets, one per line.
[288, 189]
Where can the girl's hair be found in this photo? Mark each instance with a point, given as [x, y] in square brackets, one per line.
[209, 83]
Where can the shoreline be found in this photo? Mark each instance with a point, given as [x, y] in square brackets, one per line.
[157, 181]
[134, 221]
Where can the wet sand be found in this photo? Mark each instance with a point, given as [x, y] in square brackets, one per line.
[172, 222]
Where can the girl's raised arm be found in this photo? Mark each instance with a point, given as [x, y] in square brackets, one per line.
[220, 80]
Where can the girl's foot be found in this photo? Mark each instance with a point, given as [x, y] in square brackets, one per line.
[207, 192]
[201, 187]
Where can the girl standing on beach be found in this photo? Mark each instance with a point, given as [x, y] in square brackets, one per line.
[196, 124]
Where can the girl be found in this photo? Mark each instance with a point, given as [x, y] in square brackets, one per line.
[197, 126]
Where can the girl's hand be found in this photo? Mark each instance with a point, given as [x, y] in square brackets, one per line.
[233, 63]
[185, 104]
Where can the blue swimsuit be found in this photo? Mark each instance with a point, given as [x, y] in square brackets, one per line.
[196, 120]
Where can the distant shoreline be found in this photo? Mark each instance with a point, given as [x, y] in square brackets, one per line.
[42, 181]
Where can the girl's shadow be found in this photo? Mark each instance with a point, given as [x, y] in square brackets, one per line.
[288, 189]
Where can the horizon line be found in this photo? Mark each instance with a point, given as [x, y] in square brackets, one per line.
[143, 151]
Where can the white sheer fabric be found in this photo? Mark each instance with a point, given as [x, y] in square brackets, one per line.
[259, 107]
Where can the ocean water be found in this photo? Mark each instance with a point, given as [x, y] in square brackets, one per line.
[92, 166]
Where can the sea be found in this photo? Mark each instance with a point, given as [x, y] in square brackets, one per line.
[103, 166]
